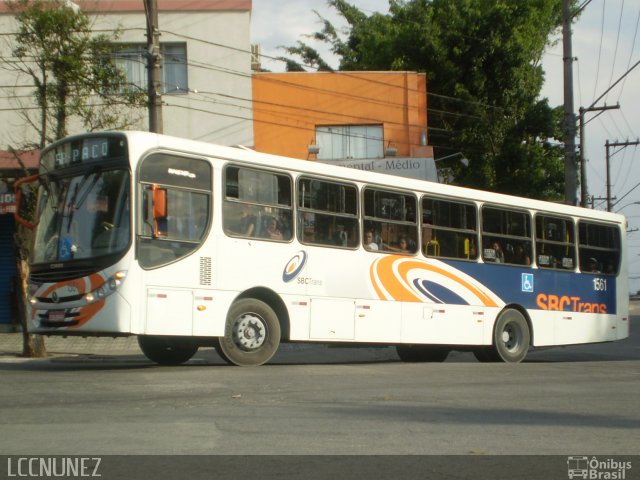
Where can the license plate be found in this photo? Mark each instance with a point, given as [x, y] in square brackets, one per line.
[56, 316]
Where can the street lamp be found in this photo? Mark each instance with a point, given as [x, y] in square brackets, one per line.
[625, 206]
[463, 160]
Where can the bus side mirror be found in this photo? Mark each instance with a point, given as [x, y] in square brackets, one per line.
[26, 201]
[159, 196]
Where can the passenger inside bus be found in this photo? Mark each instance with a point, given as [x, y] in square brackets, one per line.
[340, 236]
[521, 256]
[494, 253]
[498, 253]
[592, 266]
[369, 244]
[273, 231]
[246, 223]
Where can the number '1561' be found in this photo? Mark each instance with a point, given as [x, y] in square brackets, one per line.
[600, 284]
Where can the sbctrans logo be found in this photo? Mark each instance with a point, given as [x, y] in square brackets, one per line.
[597, 469]
[294, 266]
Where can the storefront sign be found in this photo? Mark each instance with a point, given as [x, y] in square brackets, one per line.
[7, 199]
[418, 168]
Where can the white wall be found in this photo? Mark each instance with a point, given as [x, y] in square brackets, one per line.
[218, 107]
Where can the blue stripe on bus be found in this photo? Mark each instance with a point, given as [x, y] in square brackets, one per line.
[550, 289]
[438, 294]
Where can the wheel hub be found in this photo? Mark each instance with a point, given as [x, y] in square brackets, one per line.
[249, 331]
[510, 338]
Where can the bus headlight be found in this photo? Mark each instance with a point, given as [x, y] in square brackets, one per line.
[107, 288]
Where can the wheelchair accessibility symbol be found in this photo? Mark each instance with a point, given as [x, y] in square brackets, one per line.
[527, 282]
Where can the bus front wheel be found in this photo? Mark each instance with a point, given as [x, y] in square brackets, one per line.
[251, 334]
[167, 350]
[511, 339]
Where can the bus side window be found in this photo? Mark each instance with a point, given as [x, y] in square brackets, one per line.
[449, 229]
[327, 213]
[257, 204]
[555, 242]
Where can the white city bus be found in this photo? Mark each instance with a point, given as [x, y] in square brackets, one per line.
[188, 244]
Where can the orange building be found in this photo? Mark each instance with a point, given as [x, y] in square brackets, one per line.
[339, 116]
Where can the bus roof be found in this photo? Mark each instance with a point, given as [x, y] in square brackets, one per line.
[146, 140]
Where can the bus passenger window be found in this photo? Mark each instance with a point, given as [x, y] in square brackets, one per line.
[506, 236]
[257, 204]
[327, 213]
[389, 217]
[173, 224]
[555, 242]
[449, 229]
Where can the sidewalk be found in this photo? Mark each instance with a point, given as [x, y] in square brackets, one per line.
[11, 344]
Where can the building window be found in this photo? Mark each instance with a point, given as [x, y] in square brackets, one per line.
[132, 59]
[350, 142]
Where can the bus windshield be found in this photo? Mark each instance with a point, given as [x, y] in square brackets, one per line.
[83, 216]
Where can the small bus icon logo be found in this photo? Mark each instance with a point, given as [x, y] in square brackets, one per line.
[578, 467]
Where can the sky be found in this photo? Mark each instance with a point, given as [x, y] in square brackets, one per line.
[606, 43]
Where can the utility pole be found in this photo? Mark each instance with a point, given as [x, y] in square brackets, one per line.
[584, 192]
[154, 66]
[608, 145]
[570, 174]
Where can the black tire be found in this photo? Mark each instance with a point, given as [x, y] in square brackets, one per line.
[167, 350]
[511, 337]
[422, 353]
[251, 333]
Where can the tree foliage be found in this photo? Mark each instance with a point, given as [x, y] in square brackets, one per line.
[71, 68]
[482, 60]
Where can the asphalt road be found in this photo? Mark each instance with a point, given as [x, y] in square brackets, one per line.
[319, 400]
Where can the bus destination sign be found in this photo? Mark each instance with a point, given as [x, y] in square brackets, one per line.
[86, 150]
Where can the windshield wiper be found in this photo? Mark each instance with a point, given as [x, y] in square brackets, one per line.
[73, 204]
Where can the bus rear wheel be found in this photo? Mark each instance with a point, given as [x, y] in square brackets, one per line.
[251, 334]
[167, 350]
[511, 339]
[421, 353]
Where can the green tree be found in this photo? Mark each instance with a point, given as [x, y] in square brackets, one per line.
[77, 86]
[482, 60]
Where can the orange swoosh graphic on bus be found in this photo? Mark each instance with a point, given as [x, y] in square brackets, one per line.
[391, 283]
[384, 276]
[87, 312]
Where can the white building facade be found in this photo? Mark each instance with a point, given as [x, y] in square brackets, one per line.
[206, 57]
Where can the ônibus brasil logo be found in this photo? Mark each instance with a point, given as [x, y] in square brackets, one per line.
[294, 266]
